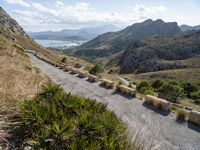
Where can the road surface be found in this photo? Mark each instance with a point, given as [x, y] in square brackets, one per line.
[169, 133]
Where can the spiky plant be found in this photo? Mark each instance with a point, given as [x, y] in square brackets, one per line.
[56, 120]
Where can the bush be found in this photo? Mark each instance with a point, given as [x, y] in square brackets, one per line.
[149, 92]
[64, 60]
[143, 86]
[189, 88]
[55, 120]
[170, 92]
[77, 65]
[195, 95]
[157, 84]
[95, 70]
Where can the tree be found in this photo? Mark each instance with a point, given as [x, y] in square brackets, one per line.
[189, 88]
[77, 65]
[157, 83]
[143, 86]
[170, 92]
[64, 60]
[95, 70]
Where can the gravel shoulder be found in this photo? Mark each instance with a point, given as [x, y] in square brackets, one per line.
[169, 132]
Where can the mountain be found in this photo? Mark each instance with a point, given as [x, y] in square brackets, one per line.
[114, 42]
[76, 34]
[186, 27]
[161, 53]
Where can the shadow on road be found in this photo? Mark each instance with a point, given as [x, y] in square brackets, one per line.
[157, 110]
[194, 127]
[123, 95]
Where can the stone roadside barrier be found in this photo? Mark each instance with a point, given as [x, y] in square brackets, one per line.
[127, 90]
[74, 71]
[107, 83]
[158, 102]
[83, 74]
[92, 78]
[194, 117]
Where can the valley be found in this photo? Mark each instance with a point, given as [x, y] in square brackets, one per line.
[82, 80]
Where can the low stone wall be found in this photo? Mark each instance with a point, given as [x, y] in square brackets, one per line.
[107, 83]
[92, 78]
[194, 117]
[74, 71]
[83, 74]
[127, 90]
[158, 102]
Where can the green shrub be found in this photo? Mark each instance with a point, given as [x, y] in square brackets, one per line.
[157, 84]
[149, 92]
[55, 120]
[170, 91]
[77, 65]
[64, 60]
[196, 94]
[95, 70]
[189, 88]
[143, 86]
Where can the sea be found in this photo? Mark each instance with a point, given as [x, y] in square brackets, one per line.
[60, 45]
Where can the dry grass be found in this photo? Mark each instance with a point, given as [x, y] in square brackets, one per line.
[189, 103]
[18, 80]
[142, 136]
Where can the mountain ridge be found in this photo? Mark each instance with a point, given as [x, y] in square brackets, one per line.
[114, 42]
[80, 34]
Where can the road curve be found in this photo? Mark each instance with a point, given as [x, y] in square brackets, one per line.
[164, 127]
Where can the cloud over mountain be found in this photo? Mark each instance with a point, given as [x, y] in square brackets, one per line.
[79, 14]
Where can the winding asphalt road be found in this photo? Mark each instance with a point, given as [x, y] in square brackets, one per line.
[169, 133]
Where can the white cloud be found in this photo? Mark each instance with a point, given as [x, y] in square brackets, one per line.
[79, 14]
[141, 9]
[19, 2]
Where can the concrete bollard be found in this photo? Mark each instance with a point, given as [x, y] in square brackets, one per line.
[74, 71]
[127, 90]
[107, 83]
[194, 117]
[82, 74]
[158, 102]
[92, 78]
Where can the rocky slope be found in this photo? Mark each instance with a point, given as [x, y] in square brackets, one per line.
[186, 27]
[162, 53]
[114, 42]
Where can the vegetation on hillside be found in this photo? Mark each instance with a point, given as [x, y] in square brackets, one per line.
[56, 120]
[171, 90]
[96, 69]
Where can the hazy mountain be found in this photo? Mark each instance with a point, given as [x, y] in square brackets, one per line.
[114, 42]
[186, 27]
[161, 53]
[76, 34]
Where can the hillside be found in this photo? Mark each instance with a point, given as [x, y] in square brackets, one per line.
[115, 42]
[186, 27]
[19, 79]
[161, 53]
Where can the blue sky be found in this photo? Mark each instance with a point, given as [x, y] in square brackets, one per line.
[42, 15]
